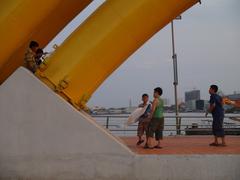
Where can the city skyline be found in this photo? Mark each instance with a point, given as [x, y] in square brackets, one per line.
[235, 96]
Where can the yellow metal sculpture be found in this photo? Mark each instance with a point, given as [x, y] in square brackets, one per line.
[101, 44]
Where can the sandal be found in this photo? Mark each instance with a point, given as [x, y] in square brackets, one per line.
[140, 142]
[222, 145]
[213, 144]
[157, 147]
[147, 147]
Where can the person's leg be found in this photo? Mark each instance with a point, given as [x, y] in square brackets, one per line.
[223, 141]
[150, 133]
[145, 128]
[146, 144]
[221, 131]
[159, 132]
[214, 130]
[147, 136]
[140, 133]
[149, 139]
[215, 142]
[158, 138]
[150, 142]
[140, 140]
[215, 139]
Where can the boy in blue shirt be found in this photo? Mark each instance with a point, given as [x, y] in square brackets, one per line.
[144, 119]
[216, 108]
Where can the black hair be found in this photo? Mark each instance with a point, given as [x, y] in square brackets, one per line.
[158, 90]
[214, 87]
[39, 50]
[145, 95]
[33, 44]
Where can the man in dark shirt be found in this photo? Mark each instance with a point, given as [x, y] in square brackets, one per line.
[216, 108]
[144, 120]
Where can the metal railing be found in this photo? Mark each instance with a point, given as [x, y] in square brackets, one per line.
[115, 123]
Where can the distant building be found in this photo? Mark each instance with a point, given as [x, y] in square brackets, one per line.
[192, 95]
[202, 105]
[191, 98]
[197, 105]
[191, 105]
[115, 110]
[130, 103]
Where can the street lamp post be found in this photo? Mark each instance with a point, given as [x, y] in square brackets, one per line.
[175, 81]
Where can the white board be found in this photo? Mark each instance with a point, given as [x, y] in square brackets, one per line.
[136, 114]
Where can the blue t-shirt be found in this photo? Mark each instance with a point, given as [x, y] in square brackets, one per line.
[148, 110]
[218, 110]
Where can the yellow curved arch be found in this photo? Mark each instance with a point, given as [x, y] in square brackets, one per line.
[52, 17]
[103, 42]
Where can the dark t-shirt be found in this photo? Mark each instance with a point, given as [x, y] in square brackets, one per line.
[148, 110]
[218, 110]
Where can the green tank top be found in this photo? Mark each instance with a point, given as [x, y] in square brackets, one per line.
[158, 113]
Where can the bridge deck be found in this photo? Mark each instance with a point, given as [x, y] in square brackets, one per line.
[187, 145]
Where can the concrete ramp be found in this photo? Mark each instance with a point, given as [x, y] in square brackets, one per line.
[43, 136]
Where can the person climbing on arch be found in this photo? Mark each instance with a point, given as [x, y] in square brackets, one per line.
[30, 55]
[38, 57]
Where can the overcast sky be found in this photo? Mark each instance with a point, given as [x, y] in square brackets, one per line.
[207, 45]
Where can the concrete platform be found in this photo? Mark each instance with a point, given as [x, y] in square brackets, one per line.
[187, 145]
[42, 137]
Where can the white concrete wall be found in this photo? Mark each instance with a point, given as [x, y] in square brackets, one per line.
[187, 167]
[43, 137]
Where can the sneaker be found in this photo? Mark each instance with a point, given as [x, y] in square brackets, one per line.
[140, 142]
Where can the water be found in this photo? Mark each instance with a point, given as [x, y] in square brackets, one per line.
[116, 123]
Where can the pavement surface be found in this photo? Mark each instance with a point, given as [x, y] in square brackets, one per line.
[183, 145]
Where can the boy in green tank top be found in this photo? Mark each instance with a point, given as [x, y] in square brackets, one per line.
[156, 124]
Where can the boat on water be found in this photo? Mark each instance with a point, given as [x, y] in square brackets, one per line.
[208, 131]
[229, 128]
[235, 118]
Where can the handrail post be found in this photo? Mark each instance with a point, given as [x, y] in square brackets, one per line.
[107, 122]
[179, 125]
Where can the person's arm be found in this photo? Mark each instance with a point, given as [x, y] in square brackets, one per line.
[211, 107]
[154, 105]
[148, 110]
[33, 65]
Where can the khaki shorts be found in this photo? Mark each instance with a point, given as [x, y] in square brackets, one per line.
[142, 126]
[156, 127]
